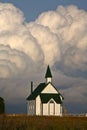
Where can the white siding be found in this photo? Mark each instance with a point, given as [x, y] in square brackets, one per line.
[58, 109]
[31, 107]
[38, 105]
[36, 108]
[48, 80]
[49, 89]
[45, 109]
[61, 110]
[51, 108]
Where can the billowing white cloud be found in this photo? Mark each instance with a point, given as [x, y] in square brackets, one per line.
[69, 24]
[12, 62]
[48, 42]
[10, 17]
[57, 38]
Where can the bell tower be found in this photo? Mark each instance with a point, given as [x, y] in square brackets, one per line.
[48, 75]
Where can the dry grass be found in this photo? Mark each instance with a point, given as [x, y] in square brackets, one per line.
[23, 122]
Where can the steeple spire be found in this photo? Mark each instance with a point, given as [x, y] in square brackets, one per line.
[48, 75]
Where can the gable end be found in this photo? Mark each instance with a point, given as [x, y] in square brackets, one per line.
[45, 98]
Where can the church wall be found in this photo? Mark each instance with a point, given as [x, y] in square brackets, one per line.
[31, 107]
[45, 109]
[38, 105]
[52, 109]
[49, 89]
[58, 109]
[48, 80]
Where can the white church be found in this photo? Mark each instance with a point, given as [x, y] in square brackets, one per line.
[45, 99]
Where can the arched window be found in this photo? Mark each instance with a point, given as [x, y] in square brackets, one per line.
[51, 107]
[51, 101]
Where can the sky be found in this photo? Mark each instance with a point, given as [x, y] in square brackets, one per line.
[34, 34]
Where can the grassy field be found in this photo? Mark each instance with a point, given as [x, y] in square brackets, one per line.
[23, 122]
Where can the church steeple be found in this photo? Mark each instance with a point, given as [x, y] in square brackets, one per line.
[48, 75]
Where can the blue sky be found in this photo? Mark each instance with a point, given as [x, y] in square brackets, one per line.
[32, 8]
[35, 33]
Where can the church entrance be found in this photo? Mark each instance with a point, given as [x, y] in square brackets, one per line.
[51, 107]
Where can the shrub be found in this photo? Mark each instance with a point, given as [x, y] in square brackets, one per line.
[2, 106]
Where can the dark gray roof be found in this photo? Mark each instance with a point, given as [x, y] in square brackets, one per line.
[37, 91]
[48, 72]
[46, 98]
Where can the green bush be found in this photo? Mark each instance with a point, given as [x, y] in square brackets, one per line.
[2, 106]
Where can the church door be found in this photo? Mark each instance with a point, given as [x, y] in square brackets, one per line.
[51, 107]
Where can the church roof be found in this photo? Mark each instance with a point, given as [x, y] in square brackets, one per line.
[46, 97]
[37, 91]
[48, 72]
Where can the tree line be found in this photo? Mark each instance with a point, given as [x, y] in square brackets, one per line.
[2, 106]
